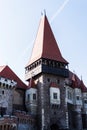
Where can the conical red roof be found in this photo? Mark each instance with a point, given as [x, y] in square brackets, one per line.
[75, 83]
[45, 45]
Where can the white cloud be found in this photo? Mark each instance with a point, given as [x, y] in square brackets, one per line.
[59, 10]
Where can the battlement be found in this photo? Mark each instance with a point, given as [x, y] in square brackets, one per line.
[8, 122]
[7, 83]
[23, 117]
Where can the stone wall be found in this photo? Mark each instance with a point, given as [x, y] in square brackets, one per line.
[47, 113]
[25, 121]
[8, 122]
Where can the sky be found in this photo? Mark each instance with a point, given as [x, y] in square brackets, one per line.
[19, 21]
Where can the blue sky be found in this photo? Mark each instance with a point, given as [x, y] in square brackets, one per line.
[19, 20]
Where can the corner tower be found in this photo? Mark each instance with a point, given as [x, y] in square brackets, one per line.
[47, 66]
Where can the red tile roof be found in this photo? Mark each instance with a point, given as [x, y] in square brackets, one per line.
[54, 85]
[6, 72]
[76, 82]
[45, 45]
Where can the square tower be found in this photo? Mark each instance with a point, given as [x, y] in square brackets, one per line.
[48, 69]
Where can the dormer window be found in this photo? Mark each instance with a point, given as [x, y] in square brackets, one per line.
[55, 96]
[85, 101]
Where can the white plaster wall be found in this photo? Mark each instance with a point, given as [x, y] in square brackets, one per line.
[31, 91]
[85, 106]
[84, 98]
[77, 92]
[69, 89]
[54, 90]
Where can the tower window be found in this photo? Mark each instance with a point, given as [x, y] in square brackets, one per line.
[58, 81]
[0, 97]
[69, 95]
[77, 97]
[28, 98]
[54, 113]
[54, 95]
[85, 101]
[34, 96]
[5, 79]
[3, 92]
[6, 85]
[3, 84]
[48, 80]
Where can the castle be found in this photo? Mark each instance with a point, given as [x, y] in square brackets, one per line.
[54, 99]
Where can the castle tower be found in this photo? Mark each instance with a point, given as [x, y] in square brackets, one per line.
[31, 98]
[7, 87]
[84, 97]
[11, 91]
[77, 103]
[49, 70]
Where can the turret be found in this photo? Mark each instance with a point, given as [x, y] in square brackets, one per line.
[54, 94]
[84, 95]
[12, 89]
[31, 98]
[77, 103]
[77, 91]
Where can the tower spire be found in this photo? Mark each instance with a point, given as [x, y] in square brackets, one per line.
[43, 13]
[45, 45]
